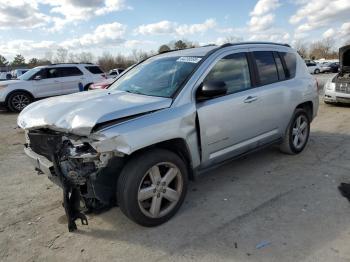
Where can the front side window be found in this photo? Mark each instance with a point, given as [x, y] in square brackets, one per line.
[234, 71]
[266, 67]
[157, 77]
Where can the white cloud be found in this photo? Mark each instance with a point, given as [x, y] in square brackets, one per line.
[264, 6]
[338, 34]
[168, 27]
[22, 14]
[262, 17]
[261, 23]
[137, 44]
[106, 34]
[329, 33]
[29, 14]
[195, 28]
[314, 14]
[162, 27]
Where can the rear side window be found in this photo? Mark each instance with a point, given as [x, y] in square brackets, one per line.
[290, 61]
[94, 69]
[69, 71]
[234, 71]
[280, 69]
[266, 67]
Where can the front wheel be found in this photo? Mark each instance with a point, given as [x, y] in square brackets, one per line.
[297, 134]
[18, 101]
[152, 187]
[317, 71]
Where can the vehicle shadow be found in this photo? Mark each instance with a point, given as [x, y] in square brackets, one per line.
[292, 202]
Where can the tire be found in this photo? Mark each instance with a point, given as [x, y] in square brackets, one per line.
[140, 179]
[290, 143]
[317, 71]
[17, 101]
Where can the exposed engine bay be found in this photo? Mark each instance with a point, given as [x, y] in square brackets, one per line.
[83, 173]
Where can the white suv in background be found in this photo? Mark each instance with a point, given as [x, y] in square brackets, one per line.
[46, 81]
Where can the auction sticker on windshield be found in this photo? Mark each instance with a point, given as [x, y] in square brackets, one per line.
[189, 59]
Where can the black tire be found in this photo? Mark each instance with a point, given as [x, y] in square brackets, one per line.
[288, 146]
[317, 71]
[17, 101]
[131, 181]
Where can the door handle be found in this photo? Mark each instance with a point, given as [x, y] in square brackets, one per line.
[250, 99]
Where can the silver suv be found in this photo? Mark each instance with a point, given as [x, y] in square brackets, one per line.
[167, 120]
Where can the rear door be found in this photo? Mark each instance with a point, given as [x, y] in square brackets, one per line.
[71, 78]
[46, 83]
[274, 89]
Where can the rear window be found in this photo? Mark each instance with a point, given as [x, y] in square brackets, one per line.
[266, 67]
[94, 69]
[69, 71]
[290, 60]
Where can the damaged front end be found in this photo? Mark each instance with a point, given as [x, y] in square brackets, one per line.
[81, 170]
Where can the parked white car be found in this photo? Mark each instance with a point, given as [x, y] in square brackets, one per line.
[115, 72]
[5, 76]
[18, 72]
[313, 67]
[46, 81]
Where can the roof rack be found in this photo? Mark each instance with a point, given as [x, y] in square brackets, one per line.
[253, 43]
[72, 64]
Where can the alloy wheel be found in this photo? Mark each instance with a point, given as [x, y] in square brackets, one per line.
[300, 131]
[20, 101]
[160, 190]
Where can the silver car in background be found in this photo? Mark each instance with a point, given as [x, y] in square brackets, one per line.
[166, 121]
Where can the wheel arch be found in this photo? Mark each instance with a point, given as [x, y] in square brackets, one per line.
[18, 91]
[86, 87]
[308, 107]
[177, 146]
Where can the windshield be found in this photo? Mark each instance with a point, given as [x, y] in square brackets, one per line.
[28, 75]
[157, 77]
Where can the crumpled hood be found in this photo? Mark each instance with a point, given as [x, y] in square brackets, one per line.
[344, 58]
[79, 113]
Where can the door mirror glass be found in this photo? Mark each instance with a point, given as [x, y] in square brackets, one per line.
[211, 89]
[37, 77]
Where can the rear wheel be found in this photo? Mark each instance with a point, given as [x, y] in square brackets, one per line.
[297, 134]
[18, 101]
[152, 187]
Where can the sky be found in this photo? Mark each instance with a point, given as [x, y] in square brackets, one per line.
[34, 27]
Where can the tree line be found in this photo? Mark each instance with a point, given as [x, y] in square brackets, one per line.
[320, 49]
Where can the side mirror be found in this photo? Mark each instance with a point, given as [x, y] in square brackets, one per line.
[211, 89]
[38, 77]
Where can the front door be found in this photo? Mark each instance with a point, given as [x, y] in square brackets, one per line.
[231, 124]
[46, 83]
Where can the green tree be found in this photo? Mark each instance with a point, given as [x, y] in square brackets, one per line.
[19, 60]
[163, 48]
[3, 61]
[180, 45]
[33, 62]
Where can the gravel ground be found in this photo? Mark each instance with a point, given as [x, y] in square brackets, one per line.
[288, 204]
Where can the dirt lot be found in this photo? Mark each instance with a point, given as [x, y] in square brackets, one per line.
[291, 202]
